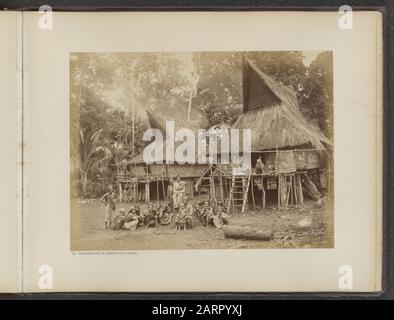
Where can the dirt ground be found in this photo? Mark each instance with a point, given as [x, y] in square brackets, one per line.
[309, 226]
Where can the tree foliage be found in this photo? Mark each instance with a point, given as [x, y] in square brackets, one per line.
[219, 90]
[110, 93]
[287, 67]
[317, 100]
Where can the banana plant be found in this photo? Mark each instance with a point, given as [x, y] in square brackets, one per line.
[94, 154]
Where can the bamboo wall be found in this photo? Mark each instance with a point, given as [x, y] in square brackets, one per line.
[168, 171]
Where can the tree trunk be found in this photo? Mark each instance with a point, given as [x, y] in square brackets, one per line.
[84, 183]
[247, 233]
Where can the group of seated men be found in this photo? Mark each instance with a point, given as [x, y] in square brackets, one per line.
[155, 214]
[159, 214]
[211, 217]
[132, 218]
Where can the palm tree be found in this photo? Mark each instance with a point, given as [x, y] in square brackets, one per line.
[94, 154]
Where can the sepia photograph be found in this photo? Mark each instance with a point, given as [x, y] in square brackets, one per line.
[201, 150]
[194, 143]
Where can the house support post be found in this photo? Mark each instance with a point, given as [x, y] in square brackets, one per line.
[147, 193]
[120, 192]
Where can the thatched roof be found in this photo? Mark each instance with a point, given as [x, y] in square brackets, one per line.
[176, 110]
[272, 113]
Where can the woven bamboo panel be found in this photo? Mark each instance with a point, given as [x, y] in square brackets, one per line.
[186, 170]
[139, 170]
[307, 160]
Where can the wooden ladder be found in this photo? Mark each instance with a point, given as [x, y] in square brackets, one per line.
[239, 185]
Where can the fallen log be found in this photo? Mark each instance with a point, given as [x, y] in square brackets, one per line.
[247, 233]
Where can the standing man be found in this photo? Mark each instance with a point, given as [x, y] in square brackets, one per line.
[259, 168]
[179, 190]
[109, 199]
